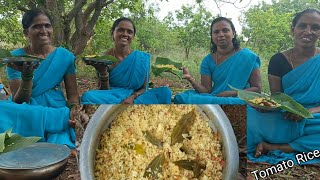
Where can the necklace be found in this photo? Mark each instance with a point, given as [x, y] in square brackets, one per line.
[119, 58]
[31, 52]
[291, 55]
[217, 57]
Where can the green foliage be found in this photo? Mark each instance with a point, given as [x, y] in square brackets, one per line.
[192, 27]
[10, 141]
[267, 27]
[153, 35]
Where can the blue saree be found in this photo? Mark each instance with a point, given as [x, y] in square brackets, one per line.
[302, 84]
[46, 92]
[34, 120]
[234, 71]
[128, 76]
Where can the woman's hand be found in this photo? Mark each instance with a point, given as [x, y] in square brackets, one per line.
[26, 69]
[314, 110]
[99, 66]
[186, 75]
[73, 115]
[227, 94]
[128, 100]
[293, 117]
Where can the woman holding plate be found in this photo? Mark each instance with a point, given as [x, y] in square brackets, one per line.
[125, 81]
[228, 64]
[273, 136]
[39, 84]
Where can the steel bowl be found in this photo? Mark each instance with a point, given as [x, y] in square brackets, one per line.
[105, 114]
[38, 161]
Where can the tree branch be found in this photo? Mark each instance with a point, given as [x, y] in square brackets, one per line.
[78, 6]
[79, 38]
[78, 21]
[218, 7]
[94, 18]
[234, 3]
[88, 11]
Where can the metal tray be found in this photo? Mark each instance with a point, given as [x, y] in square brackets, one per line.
[38, 161]
[105, 62]
[19, 60]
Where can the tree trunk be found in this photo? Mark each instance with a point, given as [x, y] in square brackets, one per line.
[56, 10]
[187, 51]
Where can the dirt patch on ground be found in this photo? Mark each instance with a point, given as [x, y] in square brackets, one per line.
[238, 119]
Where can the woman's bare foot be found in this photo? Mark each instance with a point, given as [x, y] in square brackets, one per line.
[262, 148]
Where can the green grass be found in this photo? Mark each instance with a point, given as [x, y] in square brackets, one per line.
[85, 71]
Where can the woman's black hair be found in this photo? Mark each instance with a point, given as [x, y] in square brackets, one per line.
[29, 15]
[235, 42]
[298, 15]
[116, 23]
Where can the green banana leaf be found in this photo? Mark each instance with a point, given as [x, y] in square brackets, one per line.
[161, 60]
[106, 59]
[11, 142]
[290, 105]
[285, 101]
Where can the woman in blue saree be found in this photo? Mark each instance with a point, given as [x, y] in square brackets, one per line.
[276, 136]
[228, 64]
[127, 80]
[38, 86]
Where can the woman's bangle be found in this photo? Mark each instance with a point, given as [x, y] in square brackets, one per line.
[70, 106]
[26, 78]
[103, 76]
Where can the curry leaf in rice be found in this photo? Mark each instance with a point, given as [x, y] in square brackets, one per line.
[182, 127]
[155, 167]
[152, 139]
[197, 167]
[191, 165]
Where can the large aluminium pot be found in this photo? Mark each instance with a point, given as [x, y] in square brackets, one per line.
[105, 114]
